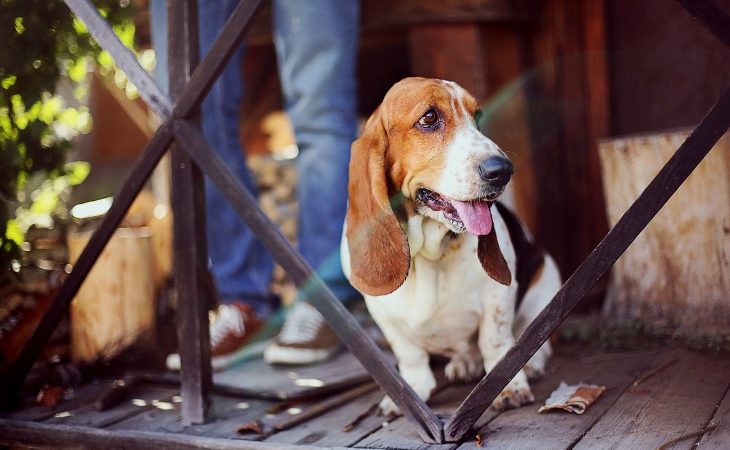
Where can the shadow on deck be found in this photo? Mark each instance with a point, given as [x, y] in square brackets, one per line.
[669, 397]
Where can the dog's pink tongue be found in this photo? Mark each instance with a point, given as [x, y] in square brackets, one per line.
[476, 216]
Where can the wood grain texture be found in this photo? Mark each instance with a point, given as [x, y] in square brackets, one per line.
[327, 430]
[451, 52]
[379, 14]
[189, 240]
[665, 406]
[116, 303]
[397, 433]
[719, 437]
[525, 428]
[139, 400]
[676, 276]
[76, 398]
[228, 413]
[71, 437]
[262, 380]
[565, 115]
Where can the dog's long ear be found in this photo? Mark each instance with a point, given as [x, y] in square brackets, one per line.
[379, 254]
[492, 259]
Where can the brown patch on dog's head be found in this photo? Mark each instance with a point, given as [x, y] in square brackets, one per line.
[379, 254]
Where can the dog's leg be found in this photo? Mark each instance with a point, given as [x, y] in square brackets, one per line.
[466, 364]
[495, 338]
[415, 370]
[540, 292]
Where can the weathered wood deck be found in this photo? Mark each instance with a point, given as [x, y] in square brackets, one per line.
[653, 397]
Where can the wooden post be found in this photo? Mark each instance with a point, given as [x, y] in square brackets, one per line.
[676, 276]
[189, 225]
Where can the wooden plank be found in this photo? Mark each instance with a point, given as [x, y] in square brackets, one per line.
[524, 428]
[135, 181]
[213, 63]
[378, 14]
[360, 343]
[719, 437]
[229, 413]
[188, 203]
[675, 401]
[123, 57]
[264, 380]
[140, 399]
[23, 434]
[451, 52]
[711, 17]
[82, 395]
[597, 264]
[397, 433]
[327, 429]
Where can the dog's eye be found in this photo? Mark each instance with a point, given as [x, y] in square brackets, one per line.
[429, 119]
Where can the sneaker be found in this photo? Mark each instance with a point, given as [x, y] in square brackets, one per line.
[305, 338]
[231, 328]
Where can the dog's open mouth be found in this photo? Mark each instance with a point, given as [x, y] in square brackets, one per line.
[473, 216]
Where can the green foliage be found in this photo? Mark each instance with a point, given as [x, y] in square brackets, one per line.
[43, 42]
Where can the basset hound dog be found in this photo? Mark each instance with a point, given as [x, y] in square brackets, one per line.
[444, 268]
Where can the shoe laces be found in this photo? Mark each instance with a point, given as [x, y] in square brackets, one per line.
[229, 320]
[302, 324]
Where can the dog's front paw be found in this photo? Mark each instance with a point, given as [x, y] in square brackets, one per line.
[464, 368]
[516, 394]
[535, 367]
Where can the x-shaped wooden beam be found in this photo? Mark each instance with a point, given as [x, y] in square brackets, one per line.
[177, 127]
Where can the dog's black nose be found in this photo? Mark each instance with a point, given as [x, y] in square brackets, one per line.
[496, 171]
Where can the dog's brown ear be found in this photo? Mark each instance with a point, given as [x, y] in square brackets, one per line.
[492, 260]
[379, 254]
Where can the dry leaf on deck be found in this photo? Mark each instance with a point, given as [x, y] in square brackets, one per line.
[575, 399]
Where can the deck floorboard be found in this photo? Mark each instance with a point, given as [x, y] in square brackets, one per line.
[681, 394]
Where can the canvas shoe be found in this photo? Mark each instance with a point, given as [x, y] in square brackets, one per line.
[305, 338]
[230, 331]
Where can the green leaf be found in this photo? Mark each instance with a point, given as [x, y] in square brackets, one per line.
[8, 82]
[13, 232]
[76, 172]
[19, 27]
[45, 200]
[77, 71]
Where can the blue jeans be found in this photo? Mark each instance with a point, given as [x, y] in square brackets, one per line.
[316, 46]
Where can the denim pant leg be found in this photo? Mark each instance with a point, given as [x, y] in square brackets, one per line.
[241, 266]
[316, 43]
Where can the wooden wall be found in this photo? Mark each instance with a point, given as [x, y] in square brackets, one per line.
[666, 70]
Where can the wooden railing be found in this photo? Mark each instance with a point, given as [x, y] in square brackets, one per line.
[192, 157]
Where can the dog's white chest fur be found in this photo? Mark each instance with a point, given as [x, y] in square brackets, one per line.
[442, 302]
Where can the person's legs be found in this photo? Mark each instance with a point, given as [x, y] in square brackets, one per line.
[241, 266]
[316, 45]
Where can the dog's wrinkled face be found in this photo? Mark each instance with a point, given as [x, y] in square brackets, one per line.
[423, 141]
[439, 158]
